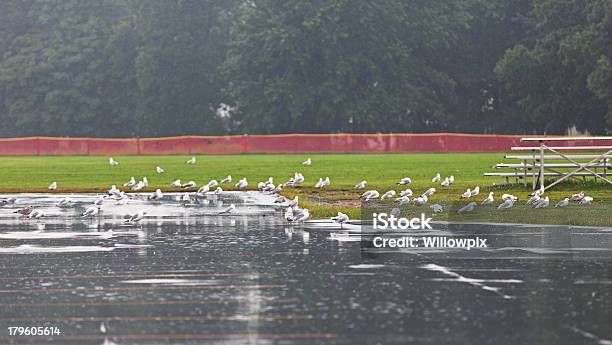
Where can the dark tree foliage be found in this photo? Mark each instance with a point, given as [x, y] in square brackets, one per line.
[117, 68]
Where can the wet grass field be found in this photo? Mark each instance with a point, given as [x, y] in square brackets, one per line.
[382, 171]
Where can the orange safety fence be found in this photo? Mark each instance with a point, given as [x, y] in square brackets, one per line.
[281, 143]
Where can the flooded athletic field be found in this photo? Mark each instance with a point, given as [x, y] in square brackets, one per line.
[186, 275]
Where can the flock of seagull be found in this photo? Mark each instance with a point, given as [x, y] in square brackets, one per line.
[292, 211]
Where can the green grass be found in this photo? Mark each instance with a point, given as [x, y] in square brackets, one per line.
[382, 171]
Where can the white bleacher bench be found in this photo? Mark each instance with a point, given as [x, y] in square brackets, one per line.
[535, 166]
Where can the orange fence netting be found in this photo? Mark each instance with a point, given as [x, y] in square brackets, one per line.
[283, 143]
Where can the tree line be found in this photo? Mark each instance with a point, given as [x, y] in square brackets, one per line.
[116, 68]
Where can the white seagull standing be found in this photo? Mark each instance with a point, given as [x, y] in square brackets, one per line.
[53, 186]
[341, 218]
[36, 214]
[307, 162]
[577, 197]
[586, 201]
[157, 195]
[176, 184]
[130, 183]
[228, 179]
[213, 184]
[429, 192]
[489, 200]
[159, 170]
[403, 200]
[467, 194]
[242, 184]
[420, 201]
[136, 217]
[475, 191]
[436, 179]
[112, 162]
[192, 161]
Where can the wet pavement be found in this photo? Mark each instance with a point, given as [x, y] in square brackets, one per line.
[186, 275]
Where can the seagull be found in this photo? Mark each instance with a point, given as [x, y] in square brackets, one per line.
[489, 200]
[429, 192]
[202, 191]
[361, 185]
[289, 214]
[577, 197]
[130, 183]
[186, 198]
[420, 201]
[145, 182]
[90, 211]
[508, 203]
[302, 215]
[509, 197]
[475, 191]
[99, 201]
[228, 179]
[159, 170]
[242, 184]
[322, 183]
[534, 200]
[388, 194]
[562, 203]
[113, 191]
[403, 200]
[53, 186]
[140, 185]
[468, 208]
[436, 179]
[156, 195]
[188, 185]
[371, 194]
[9, 200]
[405, 181]
[451, 179]
[543, 203]
[437, 208]
[66, 202]
[307, 162]
[112, 162]
[445, 183]
[406, 192]
[261, 186]
[213, 184]
[36, 214]
[298, 178]
[25, 211]
[341, 218]
[586, 201]
[218, 191]
[268, 188]
[136, 217]
[191, 161]
[230, 209]
[176, 184]
[467, 194]
[278, 189]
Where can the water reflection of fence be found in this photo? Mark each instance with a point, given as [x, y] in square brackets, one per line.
[282, 143]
